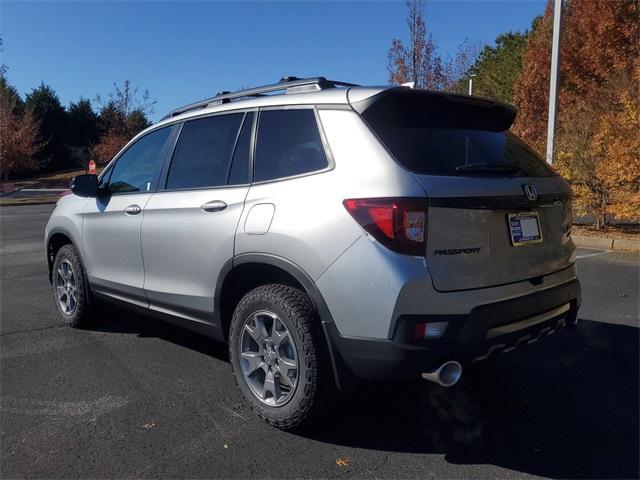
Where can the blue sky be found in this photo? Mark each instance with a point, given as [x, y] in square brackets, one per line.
[186, 51]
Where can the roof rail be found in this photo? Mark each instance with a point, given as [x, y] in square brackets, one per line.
[289, 84]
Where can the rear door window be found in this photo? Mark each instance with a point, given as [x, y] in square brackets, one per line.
[433, 135]
[202, 157]
[288, 144]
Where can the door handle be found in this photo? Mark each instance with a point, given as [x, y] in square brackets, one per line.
[213, 206]
[132, 210]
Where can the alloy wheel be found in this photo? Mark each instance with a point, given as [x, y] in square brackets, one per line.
[66, 287]
[268, 358]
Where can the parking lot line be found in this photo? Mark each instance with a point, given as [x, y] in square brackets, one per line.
[594, 254]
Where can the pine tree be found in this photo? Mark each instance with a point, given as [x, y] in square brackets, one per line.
[45, 105]
[499, 66]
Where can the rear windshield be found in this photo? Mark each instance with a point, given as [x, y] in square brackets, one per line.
[434, 135]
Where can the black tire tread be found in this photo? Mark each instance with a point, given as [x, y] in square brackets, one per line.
[298, 306]
[81, 316]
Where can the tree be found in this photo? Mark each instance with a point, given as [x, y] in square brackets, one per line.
[45, 106]
[3, 67]
[122, 117]
[598, 96]
[83, 123]
[421, 63]
[599, 153]
[83, 131]
[126, 110]
[137, 121]
[616, 145]
[531, 92]
[19, 140]
[110, 144]
[498, 67]
[13, 97]
[458, 67]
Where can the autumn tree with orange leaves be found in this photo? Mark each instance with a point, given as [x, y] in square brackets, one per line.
[19, 139]
[598, 135]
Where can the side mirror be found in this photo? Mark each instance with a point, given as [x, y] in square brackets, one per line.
[85, 185]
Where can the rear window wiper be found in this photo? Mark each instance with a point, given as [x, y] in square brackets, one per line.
[487, 168]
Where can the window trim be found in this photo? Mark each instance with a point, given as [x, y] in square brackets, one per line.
[164, 177]
[323, 140]
[111, 166]
[235, 144]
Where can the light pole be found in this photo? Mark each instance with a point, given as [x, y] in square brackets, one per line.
[471, 83]
[553, 84]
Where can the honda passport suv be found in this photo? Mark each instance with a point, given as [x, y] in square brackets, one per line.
[329, 233]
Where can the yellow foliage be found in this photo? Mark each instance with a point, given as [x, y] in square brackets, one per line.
[599, 154]
[616, 144]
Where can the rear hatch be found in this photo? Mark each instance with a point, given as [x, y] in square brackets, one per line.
[497, 213]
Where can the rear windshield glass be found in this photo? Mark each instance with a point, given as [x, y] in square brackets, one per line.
[439, 137]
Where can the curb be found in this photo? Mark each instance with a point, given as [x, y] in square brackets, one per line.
[606, 243]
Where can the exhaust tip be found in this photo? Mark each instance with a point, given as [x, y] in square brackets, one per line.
[446, 375]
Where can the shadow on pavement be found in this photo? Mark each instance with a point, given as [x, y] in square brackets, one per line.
[111, 319]
[565, 407]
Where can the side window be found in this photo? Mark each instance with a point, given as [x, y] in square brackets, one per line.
[203, 153]
[239, 173]
[288, 144]
[104, 177]
[138, 167]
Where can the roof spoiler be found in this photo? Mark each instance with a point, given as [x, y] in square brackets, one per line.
[440, 109]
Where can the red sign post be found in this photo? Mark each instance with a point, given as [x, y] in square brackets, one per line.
[92, 167]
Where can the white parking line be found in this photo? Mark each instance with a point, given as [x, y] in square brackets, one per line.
[595, 254]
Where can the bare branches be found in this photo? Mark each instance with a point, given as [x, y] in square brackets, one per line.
[126, 100]
[19, 140]
[420, 62]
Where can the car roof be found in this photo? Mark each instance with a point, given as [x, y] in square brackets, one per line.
[329, 96]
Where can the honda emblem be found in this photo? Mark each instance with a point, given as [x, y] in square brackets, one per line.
[530, 191]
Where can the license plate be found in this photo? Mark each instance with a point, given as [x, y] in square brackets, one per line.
[524, 228]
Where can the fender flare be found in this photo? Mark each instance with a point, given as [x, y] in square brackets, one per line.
[328, 327]
[62, 231]
[66, 233]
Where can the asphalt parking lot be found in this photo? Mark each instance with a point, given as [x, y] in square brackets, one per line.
[132, 397]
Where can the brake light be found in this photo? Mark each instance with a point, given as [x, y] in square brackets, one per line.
[400, 224]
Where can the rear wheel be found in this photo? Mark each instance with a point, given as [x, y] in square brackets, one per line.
[277, 354]
[69, 287]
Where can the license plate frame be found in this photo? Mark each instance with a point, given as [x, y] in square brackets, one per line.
[524, 234]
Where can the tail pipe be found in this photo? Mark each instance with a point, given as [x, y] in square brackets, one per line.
[446, 374]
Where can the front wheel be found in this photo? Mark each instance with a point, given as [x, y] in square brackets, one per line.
[277, 354]
[69, 287]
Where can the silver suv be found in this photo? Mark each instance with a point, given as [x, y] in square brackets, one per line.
[329, 233]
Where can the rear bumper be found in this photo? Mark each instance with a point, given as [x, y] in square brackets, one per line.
[486, 330]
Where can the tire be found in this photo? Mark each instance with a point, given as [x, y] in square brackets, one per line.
[278, 403]
[70, 293]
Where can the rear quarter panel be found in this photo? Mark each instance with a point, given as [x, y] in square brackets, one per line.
[310, 226]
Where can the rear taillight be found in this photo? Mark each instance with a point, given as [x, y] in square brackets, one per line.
[400, 224]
